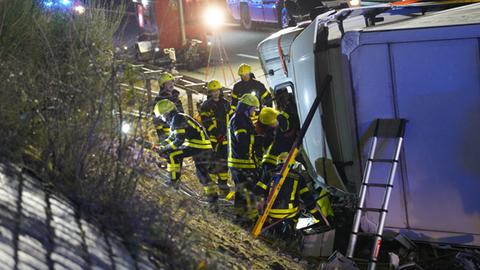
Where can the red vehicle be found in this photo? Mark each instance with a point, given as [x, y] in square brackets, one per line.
[173, 22]
[176, 24]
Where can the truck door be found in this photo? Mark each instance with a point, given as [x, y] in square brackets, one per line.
[270, 8]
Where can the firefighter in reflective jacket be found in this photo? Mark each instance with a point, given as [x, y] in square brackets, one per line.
[215, 113]
[263, 139]
[249, 85]
[241, 139]
[293, 195]
[167, 91]
[187, 139]
[286, 127]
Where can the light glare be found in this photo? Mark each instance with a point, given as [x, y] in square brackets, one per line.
[354, 3]
[79, 9]
[126, 127]
[213, 17]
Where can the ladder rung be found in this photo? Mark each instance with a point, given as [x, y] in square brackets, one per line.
[366, 234]
[378, 210]
[377, 185]
[384, 160]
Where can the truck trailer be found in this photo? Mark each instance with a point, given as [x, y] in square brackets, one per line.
[390, 62]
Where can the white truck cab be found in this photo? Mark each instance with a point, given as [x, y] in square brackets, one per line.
[391, 62]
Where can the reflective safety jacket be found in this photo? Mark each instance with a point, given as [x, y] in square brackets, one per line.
[215, 117]
[185, 132]
[241, 139]
[162, 128]
[263, 139]
[246, 87]
[284, 135]
[293, 192]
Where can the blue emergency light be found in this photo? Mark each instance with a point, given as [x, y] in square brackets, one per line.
[57, 3]
[66, 3]
[48, 3]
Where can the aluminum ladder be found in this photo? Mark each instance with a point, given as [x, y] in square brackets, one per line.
[387, 129]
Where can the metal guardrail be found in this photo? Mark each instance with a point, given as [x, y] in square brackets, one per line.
[191, 86]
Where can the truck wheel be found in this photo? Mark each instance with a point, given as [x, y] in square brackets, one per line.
[245, 19]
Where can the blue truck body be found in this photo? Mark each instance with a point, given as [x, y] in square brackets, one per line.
[425, 69]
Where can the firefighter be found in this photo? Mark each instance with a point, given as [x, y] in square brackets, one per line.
[215, 114]
[285, 103]
[263, 139]
[187, 139]
[241, 163]
[167, 91]
[249, 85]
[293, 197]
[286, 126]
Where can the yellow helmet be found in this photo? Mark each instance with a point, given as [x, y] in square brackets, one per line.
[163, 106]
[282, 158]
[268, 116]
[214, 85]
[165, 77]
[244, 69]
[250, 100]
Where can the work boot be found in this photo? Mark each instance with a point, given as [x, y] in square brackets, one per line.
[223, 188]
[212, 198]
[224, 192]
[210, 193]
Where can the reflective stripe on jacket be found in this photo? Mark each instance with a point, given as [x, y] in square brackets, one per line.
[241, 138]
[241, 88]
[284, 135]
[215, 117]
[185, 131]
[293, 192]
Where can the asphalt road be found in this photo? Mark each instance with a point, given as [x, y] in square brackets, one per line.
[240, 47]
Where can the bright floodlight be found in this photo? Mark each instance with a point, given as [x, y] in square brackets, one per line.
[213, 17]
[126, 127]
[79, 9]
[354, 3]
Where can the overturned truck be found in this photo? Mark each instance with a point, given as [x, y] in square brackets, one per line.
[391, 62]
